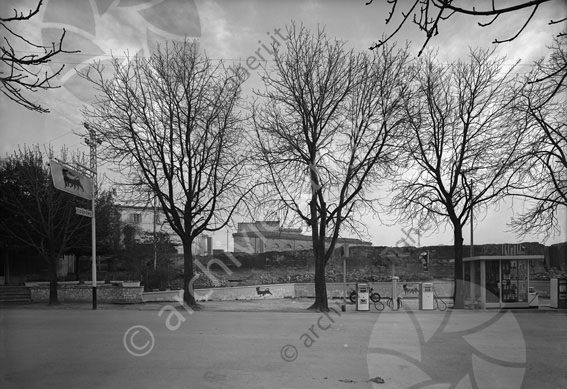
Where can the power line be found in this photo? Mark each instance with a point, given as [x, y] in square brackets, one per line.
[110, 56]
[61, 136]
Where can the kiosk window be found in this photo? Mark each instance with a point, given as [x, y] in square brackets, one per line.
[514, 281]
[492, 281]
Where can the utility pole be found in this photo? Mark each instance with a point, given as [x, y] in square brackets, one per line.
[92, 142]
[227, 239]
[472, 241]
[155, 236]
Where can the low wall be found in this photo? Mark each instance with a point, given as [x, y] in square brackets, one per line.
[162, 296]
[542, 288]
[278, 291]
[83, 293]
[444, 289]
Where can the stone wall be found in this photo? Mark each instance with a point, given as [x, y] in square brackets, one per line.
[335, 290]
[83, 293]
[278, 291]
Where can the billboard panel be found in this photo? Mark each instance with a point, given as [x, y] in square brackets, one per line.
[71, 181]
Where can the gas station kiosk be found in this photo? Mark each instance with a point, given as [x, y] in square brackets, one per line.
[499, 281]
[362, 297]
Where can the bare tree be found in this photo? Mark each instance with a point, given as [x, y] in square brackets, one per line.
[34, 213]
[428, 14]
[171, 123]
[23, 65]
[544, 173]
[463, 144]
[326, 128]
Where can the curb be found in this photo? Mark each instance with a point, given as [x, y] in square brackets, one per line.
[270, 305]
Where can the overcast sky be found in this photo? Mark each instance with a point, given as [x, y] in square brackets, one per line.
[236, 31]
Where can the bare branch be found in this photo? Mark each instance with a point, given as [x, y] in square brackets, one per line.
[25, 74]
[430, 25]
[521, 29]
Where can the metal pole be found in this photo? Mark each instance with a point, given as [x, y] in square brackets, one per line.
[93, 241]
[343, 308]
[472, 241]
[91, 141]
[155, 237]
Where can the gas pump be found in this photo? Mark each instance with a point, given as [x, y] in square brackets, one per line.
[395, 280]
[362, 297]
[426, 296]
[558, 293]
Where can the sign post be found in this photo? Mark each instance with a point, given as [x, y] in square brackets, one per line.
[92, 142]
[77, 183]
[93, 238]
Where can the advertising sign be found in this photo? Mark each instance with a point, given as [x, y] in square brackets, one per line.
[71, 181]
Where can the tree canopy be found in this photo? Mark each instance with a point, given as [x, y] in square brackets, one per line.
[544, 172]
[171, 125]
[463, 145]
[34, 213]
[326, 125]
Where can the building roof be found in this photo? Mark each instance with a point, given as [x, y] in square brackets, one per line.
[502, 257]
[293, 236]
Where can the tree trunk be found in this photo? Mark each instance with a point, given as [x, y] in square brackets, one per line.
[321, 303]
[458, 293]
[52, 271]
[77, 267]
[188, 275]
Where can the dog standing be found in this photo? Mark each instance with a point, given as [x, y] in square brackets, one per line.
[263, 292]
[412, 290]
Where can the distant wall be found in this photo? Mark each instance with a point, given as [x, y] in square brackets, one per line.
[378, 261]
[556, 256]
[83, 293]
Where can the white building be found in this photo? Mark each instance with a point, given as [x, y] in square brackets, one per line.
[145, 219]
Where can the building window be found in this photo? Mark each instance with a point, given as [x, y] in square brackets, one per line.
[136, 218]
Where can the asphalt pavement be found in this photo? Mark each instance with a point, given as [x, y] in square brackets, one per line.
[278, 344]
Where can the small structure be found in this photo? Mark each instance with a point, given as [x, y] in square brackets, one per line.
[499, 281]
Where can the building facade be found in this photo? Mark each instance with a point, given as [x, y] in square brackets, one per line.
[143, 220]
[265, 236]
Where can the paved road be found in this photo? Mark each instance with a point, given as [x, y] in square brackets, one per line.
[64, 348]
